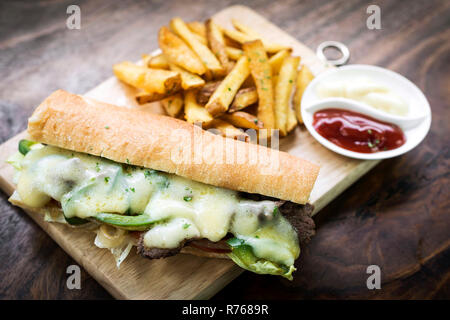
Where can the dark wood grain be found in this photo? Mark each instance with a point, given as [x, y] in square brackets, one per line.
[397, 216]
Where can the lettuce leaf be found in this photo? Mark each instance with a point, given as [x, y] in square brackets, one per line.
[15, 160]
[242, 255]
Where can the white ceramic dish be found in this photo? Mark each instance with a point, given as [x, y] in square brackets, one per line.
[415, 124]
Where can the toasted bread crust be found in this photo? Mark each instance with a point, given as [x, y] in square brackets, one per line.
[162, 143]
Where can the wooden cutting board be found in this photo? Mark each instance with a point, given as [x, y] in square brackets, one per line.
[185, 276]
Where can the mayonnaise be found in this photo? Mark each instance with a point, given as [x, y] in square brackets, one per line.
[365, 90]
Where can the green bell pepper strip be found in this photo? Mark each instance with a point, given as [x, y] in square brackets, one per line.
[134, 223]
[75, 221]
[242, 254]
[24, 146]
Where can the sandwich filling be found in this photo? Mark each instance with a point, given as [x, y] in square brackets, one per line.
[166, 209]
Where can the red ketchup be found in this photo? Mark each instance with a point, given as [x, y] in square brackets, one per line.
[357, 132]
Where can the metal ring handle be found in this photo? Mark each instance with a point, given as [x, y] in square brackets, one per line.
[333, 44]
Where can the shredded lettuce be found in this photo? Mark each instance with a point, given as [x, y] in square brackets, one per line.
[54, 216]
[15, 160]
[119, 252]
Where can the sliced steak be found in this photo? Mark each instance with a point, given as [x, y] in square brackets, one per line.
[156, 253]
[300, 218]
[209, 246]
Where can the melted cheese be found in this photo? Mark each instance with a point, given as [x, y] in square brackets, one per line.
[86, 185]
[171, 234]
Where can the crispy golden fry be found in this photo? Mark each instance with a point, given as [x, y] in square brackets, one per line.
[243, 120]
[158, 62]
[193, 112]
[217, 44]
[277, 59]
[150, 80]
[246, 96]
[291, 120]
[243, 37]
[145, 59]
[224, 94]
[199, 31]
[304, 77]
[206, 56]
[173, 105]
[238, 36]
[274, 82]
[178, 52]
[200, 39]
[198, 28]
[227, 130]
[188, 79]
[231, 65]
[283, 91]
[234, 53]
[229, 42]
[245, 29]
[144, 97]
[243, 99]
[262, 76]
[207, 91]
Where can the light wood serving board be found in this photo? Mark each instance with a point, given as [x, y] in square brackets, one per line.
[185, 276]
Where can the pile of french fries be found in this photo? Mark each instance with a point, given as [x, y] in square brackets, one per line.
[224, 79]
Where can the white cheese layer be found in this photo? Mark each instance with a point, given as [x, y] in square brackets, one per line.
[86, 185]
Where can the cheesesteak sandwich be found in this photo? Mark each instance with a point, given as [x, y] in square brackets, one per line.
[135, 179]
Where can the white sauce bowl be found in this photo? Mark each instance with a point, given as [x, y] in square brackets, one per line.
[415, 124]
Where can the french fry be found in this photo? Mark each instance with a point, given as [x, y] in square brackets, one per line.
[150, 80]
[217, 44]
[200, 39]
[262, 76]
[193, 112]
[234, 53]
[144, 97]
[173, 105]
[274, 82]
[277, 59]
[230, 43]
[243, 99]
[178, 52]
[291, 120]
[283, 91]
[206, 56]
[198, 28]
[145, 59]
[304, 77]
[222, 79]
[231, 65]
[242, 119]
[245, 29]
[188, 79]
[207, 91]
[243, 37]
[227, 130]
[224, 94]
[158, 62]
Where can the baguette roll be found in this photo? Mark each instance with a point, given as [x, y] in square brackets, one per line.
[166, 144]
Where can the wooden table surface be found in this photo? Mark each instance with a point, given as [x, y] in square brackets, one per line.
[396, 217]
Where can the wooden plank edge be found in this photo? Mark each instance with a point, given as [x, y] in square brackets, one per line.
[342, 185]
